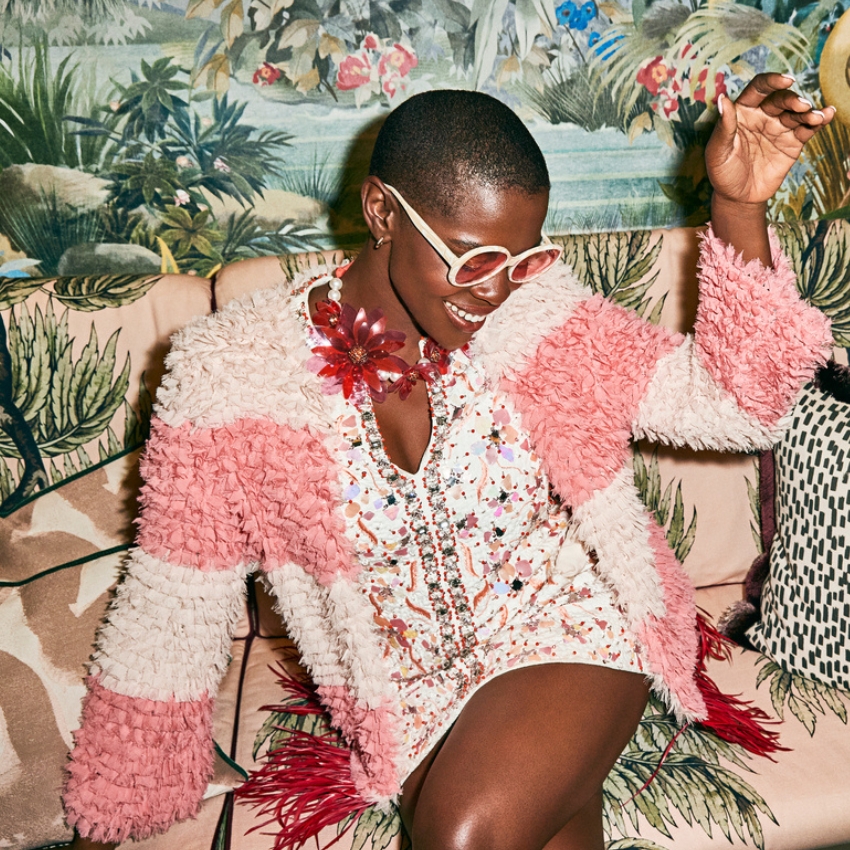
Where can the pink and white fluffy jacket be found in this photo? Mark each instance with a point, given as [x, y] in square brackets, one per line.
[240, 475]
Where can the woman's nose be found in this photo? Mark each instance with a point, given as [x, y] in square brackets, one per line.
[495, 290]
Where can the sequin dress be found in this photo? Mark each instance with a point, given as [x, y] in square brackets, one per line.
[468, 563]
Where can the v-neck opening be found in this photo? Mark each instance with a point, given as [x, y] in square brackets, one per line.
[373, 435]
[432, 437]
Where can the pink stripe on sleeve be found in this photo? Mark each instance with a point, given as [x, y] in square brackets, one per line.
[671, 644]
[138, 766]
[248, 491]
[754, 334]
[372, 735]
[194, 500]
[580, 390]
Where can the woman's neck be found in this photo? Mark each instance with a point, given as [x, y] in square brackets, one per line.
[367, 284]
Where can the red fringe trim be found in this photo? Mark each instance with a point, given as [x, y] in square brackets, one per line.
[305, 784]
[733, 720]
[300, 694]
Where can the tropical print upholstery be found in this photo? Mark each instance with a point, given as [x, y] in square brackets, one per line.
[83, 357]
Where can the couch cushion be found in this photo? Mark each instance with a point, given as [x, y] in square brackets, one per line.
[85, 357]
[805, 603]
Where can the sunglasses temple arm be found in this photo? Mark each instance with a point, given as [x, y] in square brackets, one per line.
[422, 226]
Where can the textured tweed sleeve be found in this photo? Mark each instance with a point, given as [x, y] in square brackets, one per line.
[755, 343]
[235, 478]
[143, 755]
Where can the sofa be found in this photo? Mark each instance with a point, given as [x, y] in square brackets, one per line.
[80, 360]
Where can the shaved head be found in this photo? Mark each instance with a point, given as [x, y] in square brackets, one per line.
[437, 142]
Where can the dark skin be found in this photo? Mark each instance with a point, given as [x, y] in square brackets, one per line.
[407, 280]
[522, 767]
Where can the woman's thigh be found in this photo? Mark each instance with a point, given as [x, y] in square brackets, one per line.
[529, 752]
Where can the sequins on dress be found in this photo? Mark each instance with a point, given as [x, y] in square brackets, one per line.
[468, 563]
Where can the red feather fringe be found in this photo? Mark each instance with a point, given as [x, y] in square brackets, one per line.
[731, 719]
[305, 784]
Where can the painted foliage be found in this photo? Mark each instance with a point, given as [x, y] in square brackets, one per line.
[139, 135]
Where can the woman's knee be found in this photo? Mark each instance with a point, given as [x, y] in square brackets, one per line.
[481, 824]
[470, 830]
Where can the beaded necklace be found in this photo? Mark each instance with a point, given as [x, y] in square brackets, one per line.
[357, 353]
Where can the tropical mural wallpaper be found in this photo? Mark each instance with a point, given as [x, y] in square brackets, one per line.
[146, 136]
[137, 135]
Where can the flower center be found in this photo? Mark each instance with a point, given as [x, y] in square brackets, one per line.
[358, 355]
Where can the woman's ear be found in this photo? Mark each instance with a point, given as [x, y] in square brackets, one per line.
[378, 210]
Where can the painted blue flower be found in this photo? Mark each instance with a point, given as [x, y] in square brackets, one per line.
[576, 17]
[606, 47]
[594, 39]
[564, 12]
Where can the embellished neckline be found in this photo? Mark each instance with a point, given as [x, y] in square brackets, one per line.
[354, 351]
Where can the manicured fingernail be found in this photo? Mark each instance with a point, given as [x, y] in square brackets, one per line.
[806, 102]
[818, 112]
[720, 100]
[789, 77]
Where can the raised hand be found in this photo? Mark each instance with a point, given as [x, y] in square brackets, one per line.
[759, 137]
[754, 144]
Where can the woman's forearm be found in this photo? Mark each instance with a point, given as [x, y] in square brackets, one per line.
[743, 226]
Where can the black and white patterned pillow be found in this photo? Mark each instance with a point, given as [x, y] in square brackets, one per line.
[805, 602]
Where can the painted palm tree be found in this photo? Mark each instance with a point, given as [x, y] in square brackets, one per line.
[723, 31]
[51, 405]
[110, 21]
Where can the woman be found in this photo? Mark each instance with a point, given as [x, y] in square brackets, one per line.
[434, 484]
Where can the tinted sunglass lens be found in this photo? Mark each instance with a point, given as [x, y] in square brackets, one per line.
[480, 267]
[534, 264]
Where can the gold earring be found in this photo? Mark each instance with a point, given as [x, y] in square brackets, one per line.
[379, 243]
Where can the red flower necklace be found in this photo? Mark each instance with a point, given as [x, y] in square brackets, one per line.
[357, 347]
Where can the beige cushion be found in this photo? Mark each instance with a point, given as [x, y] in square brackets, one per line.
[54, 578]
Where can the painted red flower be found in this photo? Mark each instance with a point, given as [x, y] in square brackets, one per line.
[354, 71]
[371, 42]
[397, 62]
[389, 85]
[654, 74]
[266, 74]
[719, 86]
[357, 349]
[669, 102]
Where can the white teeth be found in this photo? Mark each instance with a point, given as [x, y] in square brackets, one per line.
[468, 317]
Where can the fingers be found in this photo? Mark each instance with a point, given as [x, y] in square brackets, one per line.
[809, 123]
[728, 123]
[762, 86]
[772, 95]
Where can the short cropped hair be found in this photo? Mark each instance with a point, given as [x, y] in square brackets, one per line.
[437, 141]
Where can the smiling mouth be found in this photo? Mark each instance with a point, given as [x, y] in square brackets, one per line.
[471, 318]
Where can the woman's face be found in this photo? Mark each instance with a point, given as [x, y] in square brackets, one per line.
[419, 275]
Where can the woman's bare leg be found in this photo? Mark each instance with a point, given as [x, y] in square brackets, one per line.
[523, 766]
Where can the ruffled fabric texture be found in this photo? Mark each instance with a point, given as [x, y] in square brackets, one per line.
[240, 472]
[755, 336]
[216, 496]
[372, 733]
[169, 631]
[138, 766]
[583, 390]
[588, 376]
